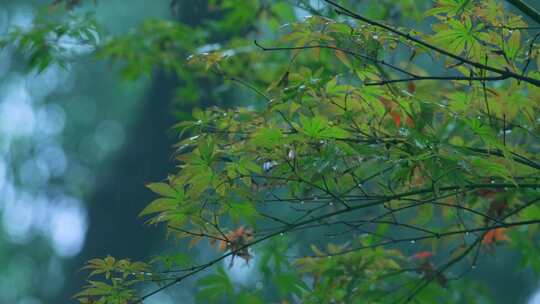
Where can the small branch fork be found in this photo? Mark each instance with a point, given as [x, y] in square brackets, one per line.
[425, 282]
[320, 220]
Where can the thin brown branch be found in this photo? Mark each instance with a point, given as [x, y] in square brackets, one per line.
[353, 208]
[452, 78]
[344, 11]
[526, 9]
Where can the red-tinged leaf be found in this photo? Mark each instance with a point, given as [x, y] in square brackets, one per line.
[488, 237]
[396, 118]
[494, 236]
[222, 245]
[411, 87]
[500, 235]
[488, 193]
[422, 255]
[194, 241]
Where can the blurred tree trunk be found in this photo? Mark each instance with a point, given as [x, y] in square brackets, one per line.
[114, 226]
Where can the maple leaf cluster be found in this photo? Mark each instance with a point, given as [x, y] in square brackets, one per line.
[427, 268]
[497, 207]
[237, 241]
[494, 236]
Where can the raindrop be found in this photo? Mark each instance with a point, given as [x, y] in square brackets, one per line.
[259, 285]
[291, 154]
[403, 132]
[269, 165]
[473, 266]
[413, 241]
[331, 204]
[302, 202]
[281, 234]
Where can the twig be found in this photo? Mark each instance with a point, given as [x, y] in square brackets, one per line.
[454, 78]
[344, 11]
[526, 9]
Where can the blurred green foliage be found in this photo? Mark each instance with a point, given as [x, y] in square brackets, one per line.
[414, 148]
